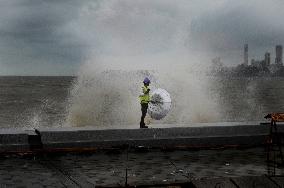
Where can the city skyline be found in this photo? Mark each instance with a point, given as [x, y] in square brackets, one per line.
[267, 61]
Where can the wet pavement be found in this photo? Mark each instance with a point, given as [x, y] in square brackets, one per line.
[136, 167]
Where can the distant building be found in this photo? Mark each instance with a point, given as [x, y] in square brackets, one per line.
[267, 59]
[262, 63]
[257, 63]
[279, 55]
[246, 54]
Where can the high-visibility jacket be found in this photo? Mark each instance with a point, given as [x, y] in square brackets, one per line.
[145, 97]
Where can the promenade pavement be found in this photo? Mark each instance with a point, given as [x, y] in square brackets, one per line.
[203, 168]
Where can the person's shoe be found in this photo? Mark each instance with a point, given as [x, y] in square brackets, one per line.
[144, 126]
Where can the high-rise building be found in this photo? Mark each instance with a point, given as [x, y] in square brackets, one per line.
[246, 54]
[279, 55]
[267, 59]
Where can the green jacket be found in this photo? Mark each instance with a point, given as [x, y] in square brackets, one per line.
[145, 98]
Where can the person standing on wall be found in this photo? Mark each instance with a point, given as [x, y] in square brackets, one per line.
[144, 101]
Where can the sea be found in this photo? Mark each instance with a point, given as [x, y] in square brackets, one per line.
[33, 101]
[43, 101]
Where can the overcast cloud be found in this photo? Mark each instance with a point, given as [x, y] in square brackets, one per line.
[54, 37]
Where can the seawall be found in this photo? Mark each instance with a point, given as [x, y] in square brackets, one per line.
[90, 138]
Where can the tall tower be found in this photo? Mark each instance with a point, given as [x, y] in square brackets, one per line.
[267, 59]
[279, 55]
[246, 55]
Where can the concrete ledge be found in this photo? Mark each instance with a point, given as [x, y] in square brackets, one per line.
[14, 140]
[207, 136]
[170, 137]
[66, 134]
[179, 142]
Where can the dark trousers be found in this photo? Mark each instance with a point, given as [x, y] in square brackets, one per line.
[144, 107]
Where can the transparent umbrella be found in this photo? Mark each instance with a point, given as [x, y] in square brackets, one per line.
[160, 104]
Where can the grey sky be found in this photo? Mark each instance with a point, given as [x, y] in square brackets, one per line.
[54, 37]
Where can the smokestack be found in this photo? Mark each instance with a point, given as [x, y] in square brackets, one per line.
[279, 54]
[246, 55]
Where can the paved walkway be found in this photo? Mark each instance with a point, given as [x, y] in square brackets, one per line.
[108, 169]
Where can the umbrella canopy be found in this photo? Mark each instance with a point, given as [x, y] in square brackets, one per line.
[160, 104]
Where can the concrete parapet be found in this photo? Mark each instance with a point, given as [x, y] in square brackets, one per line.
[14, 140]
[207, 136]
[169, 137]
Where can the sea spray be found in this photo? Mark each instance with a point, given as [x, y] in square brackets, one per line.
[131, 40]
[110, 97]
